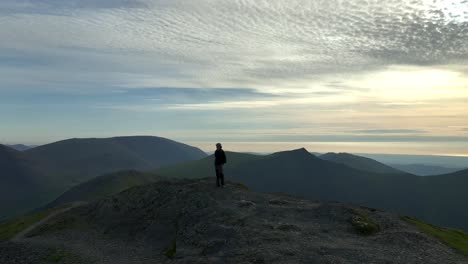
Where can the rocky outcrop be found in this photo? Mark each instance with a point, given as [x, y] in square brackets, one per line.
[192, 221]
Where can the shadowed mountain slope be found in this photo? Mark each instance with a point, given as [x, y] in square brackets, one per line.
[191, 221]
[34, 177]
[446, 199]
[82, 159]
[359, 163]
[102, 186]
[21, 182]
[297, 172]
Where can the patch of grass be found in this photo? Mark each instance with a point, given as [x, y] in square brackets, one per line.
[10, 228]
[172, 250]
[452, 237]
[363, 224]
[240, 186]
[58, 224]
[57, 257]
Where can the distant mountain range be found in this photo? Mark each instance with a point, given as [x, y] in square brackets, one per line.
[424, 170]
[359, 163]
[367, 164]
[437, 199]
[21, 147]
[431, 160]
[30, 178]
[39, 175]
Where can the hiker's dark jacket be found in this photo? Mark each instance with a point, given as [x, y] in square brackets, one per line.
[220, 157]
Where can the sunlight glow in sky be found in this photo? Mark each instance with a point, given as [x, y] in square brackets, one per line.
[356, 76]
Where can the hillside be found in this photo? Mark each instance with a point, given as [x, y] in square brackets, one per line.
[446, 199]
[102, 186]
[22, 184]
[191, 221]
[298, 172]
[36, 176]
[82, 159]
[359, 163]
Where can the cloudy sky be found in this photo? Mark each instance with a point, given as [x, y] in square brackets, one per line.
[258, 75]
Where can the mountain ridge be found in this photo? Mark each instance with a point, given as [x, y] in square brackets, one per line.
[432, 200]
[358, 162]
[21, 147]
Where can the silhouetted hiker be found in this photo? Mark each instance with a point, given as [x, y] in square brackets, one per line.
[220, 160]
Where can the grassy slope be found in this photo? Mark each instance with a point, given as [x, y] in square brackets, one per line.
[452, 237]
[12, 227]
[105, 185]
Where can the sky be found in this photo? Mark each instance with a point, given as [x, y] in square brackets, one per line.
[258, 75]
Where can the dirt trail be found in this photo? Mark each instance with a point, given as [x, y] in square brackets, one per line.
[21, 235]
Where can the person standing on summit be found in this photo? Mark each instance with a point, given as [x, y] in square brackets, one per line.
[220, 160]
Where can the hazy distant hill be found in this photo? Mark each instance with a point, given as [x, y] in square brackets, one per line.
[20, 147]
[35, 176]
[191, 221]
[83, 159]
[358, 162]
[443, 161]
[423, 169]
[437, 199]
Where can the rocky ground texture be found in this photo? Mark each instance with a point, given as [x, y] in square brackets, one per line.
[192, 221]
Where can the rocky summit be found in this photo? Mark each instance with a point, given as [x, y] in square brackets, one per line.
[192, 221]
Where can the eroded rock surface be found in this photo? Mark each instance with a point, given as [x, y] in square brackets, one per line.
[192, 221]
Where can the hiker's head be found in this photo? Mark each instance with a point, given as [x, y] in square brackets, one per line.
[218, 146]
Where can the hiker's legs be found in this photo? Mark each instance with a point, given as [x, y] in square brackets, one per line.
[221, 174]
[217, 175]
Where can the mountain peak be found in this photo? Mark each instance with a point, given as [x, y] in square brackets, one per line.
[299, 151]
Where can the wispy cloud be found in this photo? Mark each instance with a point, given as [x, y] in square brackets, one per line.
[221, 43]
[9, 7]
[223, 105]
[355, 138]
[391, 131]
